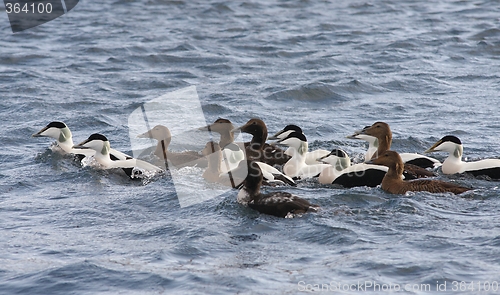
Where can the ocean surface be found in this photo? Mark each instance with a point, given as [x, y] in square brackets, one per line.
[428, 68]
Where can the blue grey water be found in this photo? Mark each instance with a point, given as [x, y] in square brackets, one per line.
[428, 68]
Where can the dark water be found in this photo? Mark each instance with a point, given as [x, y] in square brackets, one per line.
[428, 69]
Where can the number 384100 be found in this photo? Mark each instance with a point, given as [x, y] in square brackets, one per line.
[28, 8]
[475, 286]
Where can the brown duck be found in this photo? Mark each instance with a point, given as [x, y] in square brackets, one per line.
[393, 180]
[379, 137]
[280, 204]
[257, 149]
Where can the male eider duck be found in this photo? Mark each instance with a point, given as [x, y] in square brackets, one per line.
[232, 178]
[232, 153]
[341, 172]
[60, 132]
[257, 149]
[280, 204]
[311, 156]
[132, 167]
[393, 180]
[297, 166]
[453, 164]
[379, 137]
[178, 159]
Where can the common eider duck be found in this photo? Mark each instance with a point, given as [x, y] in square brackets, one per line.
[233, 177]
[178, 159]
[232, 153]
[453, 163]
[61, 133]
[341, 172]
[311, 156]
[132, 167]
[257, 149]
[379, 138]
[280, 204]
[296, 166]
[393, 180]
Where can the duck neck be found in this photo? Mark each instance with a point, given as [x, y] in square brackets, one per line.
[259, 139]
[162, 148]
[226, 137]
[214, 162]
[253, 181]
[102, 156]
[396, 170]
[453, 162]
[65, 140]
[381, 145]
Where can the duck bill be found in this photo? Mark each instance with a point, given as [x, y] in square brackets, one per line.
[39, 133]
[146, 134]
[207, 128]
[237, 129]
[432, 148]
[81, 145]
[355, 135]
[275, 136]
[322, 159]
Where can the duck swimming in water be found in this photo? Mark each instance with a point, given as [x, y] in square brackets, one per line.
[393, 180]
[213, 172]
[297, 166]
[341, 172]
[257, 149]
[379, 137]
[60, 132]
[311, 156]
[181, 159]
[280, 204]
[232, 153]
[132, 167]
[454, 164]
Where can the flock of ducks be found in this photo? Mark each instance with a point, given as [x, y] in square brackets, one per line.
[249, 165]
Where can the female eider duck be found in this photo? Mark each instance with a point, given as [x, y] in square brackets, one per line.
[341, 172]
[132, 167]
[257, 149]
[233, 177]
[379, 137]
[60, 132]
[280, 204]
[393, 180]
[311, 156]
[453, 164]
[297, 166]
[232, 153]
[180, 159]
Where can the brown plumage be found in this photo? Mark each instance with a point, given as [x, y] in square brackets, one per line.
[257, 149]
[393, 181]
[383, 133]
[280, 204]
